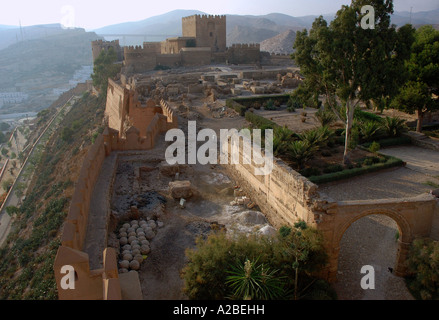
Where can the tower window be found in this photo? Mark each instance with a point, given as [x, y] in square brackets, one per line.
[211, 34]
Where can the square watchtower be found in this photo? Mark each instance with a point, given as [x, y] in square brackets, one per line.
[208, 31]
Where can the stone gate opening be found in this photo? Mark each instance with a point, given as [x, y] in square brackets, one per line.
[372, 240]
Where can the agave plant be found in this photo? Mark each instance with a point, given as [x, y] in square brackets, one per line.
[300, 152]
[254, 281]
[370, 130]
[318, 137]
[325, 117]
[281, 138]
[394, 126]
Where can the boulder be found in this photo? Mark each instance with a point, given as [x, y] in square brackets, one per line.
[145, 249]
[134, 265]
[123, 241]
[125, 264]
[128, 257]
[181, 189]
[268, 231]
[251, 217]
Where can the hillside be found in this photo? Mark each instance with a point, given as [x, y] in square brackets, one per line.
[281, 44]
[240, 28]
[26, 261]
[37, 67]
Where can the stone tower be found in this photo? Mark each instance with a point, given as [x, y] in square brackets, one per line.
[208, 31]
[99, 45]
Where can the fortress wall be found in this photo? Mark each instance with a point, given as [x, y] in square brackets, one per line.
[140, 59]
[99, 45]
[283, 195]
[89, 284]
[168, 60]
[117, 101]
[244, 53]
[195, 56]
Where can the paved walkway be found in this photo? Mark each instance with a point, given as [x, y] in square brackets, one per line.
[418, 159]
[400, 182]
[98, 218]
[371, 240]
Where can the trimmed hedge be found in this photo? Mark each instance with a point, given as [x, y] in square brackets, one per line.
[247, 101]
[391, 162]
[259, 121]
[389, 142]
[368, 116]
[232, 104]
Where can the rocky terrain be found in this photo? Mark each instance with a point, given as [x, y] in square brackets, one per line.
[280, 44]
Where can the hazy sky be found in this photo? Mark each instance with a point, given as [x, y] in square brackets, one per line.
[92, 14]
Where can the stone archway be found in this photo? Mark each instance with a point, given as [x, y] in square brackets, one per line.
[404, 240]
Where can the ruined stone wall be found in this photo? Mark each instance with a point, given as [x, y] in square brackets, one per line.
[283, 195]
[263, 74]
[208, 30]
[117, 105]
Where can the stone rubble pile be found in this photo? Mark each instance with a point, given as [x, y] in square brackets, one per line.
[134, 240]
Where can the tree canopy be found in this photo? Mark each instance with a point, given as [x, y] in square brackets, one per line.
[421, 90]
[104, 68]
[348, 64]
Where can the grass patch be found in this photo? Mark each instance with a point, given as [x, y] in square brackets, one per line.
[431, 184]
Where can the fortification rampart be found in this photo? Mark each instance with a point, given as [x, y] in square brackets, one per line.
[89, 284]
[99, 45]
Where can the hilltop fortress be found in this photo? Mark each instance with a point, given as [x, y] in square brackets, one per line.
[203, 42]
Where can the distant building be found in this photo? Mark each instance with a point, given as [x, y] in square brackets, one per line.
[203, 42]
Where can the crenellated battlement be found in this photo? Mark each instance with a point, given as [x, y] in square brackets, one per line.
[246, 46]
[104, 42]
[205, 17]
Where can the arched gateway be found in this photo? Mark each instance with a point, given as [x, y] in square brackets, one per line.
[415, 217]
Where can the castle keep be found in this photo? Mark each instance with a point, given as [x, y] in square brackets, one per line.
[203, 42]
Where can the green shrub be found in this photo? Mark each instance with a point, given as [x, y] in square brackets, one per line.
[348, 173]
[308, 172]
[325, 117]
[370, 131]
[270, 105]
[374, 147]
[423, 261]
[394, 127]
[236, 106]
[259, 121]
[333, 168]
[300, 152]
[294, 251]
